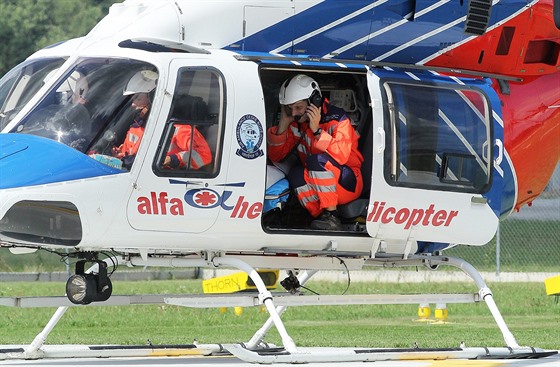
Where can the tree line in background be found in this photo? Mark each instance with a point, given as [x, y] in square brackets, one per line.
[29, 25]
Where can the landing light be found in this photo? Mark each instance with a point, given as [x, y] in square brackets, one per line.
[83, 289]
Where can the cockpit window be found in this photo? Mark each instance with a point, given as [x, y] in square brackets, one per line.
[21, 83]
[100, 107]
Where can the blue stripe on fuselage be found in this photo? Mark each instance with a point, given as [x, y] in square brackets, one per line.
[359, 28]
[299, 25]
[28, 160]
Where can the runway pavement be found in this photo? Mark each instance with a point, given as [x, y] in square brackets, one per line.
[218, 355]
[553, 361]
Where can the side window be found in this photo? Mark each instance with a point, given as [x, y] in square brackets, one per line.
[439, 137]
[191, 142]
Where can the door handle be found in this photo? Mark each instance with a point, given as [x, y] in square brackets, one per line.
[500, 156]
[381, 147]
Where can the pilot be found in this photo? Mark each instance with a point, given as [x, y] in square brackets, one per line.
[185, 138]
[80, 90]
[327, 146]
[140, 86]
[77, 127]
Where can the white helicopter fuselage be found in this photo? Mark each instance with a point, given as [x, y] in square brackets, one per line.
[146, 210]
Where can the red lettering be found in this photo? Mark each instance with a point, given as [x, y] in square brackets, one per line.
[154, 203]
[452, 214]
[240, 208]
[158, 204]
[411, 217]
[402, 215]
[144, 205]
[427, 215]
[379, 212]
[255, 210]
[373, 210]
[162, 200]
[439, 218]
[415, 218]
[385, 218]
[176, 207]
[243, 208]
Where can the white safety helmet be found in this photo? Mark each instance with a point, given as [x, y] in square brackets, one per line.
[143, 81]
[298, 88]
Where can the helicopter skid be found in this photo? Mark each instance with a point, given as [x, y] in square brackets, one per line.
[318, 355]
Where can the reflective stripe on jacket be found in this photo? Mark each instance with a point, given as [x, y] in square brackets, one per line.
[132, 140]
[180, 148]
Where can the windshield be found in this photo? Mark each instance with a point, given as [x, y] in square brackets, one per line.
[92, 108]
[21, 83]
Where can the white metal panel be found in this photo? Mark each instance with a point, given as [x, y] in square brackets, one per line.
[256, 18]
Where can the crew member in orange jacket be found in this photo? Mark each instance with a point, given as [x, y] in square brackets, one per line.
[188, 144]
[140, 85]
[327, 146]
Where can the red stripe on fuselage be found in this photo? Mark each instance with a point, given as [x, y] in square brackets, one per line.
[531, 114]
[527, 44]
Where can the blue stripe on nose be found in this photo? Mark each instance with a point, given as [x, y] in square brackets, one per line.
[27, 160]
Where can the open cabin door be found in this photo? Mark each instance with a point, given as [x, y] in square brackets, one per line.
[433, 173]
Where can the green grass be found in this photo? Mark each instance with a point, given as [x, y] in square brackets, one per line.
[533, 318]
[40, 261]
[524, 246]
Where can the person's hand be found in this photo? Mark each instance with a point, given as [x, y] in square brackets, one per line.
[143, 112]
[167, 161]
[314, 115]
[116, 152]
[284, 121]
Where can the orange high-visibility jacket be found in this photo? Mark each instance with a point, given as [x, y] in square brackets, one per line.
[180, 148]
[338, 138]
[132, 140]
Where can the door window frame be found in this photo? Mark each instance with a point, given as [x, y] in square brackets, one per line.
[211, 121]
[443, 180]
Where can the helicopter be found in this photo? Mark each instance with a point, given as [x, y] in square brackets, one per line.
[437, 92]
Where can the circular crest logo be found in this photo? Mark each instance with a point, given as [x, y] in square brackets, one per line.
[249, 137]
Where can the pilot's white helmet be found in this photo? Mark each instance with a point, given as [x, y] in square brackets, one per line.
[298, 88]
[143, 81]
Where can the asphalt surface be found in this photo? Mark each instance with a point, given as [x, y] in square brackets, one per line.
[553, 361]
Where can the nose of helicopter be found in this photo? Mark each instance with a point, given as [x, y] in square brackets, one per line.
[27, 160]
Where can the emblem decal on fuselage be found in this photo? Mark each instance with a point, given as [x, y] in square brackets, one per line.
[249, 137]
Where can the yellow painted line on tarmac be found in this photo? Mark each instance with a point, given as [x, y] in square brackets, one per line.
[179, 353]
